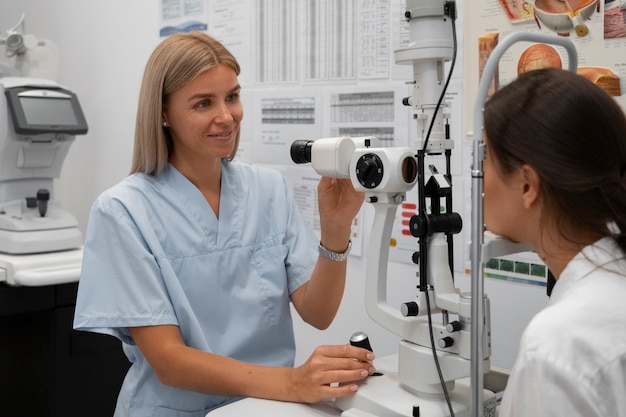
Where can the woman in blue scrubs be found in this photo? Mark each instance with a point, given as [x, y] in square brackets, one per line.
[193, 260]
[555, 178]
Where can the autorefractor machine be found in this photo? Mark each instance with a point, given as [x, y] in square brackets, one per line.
[433, 355]
[40, 242]
[46, 368]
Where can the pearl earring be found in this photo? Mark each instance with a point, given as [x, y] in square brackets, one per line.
[164, 123]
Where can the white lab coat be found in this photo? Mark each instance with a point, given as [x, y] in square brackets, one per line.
[572, 356]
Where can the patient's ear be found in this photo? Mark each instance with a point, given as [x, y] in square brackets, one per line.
[531, 186]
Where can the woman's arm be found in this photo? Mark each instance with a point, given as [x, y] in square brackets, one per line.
[183, 367]
[318, 300]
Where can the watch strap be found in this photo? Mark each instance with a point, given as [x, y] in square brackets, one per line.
[335, 256]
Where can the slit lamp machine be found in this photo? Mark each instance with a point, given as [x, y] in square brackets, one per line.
[40, 242]
[432, 356]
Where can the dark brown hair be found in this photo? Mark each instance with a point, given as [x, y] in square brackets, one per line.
[574, 135]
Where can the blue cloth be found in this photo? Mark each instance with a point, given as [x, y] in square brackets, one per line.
[156, 254]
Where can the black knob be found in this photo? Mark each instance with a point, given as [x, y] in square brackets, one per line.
[418, 225]
[369, 170]
[446, 342]
[422, 225]
[360, 339]
[415, 258]
[454, 326]
[410, 309]
[43, 196]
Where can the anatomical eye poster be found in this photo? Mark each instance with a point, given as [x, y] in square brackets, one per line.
[597, 28]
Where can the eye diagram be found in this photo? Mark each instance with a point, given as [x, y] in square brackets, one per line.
[563, 16]
[538, 56]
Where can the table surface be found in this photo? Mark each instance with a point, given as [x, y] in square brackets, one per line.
[269, 408]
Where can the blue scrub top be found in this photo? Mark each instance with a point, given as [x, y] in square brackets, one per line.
[155, 254]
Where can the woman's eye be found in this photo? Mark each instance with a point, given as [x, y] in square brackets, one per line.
[204, 103]
[232, 97]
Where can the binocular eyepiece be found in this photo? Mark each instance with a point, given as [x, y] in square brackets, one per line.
[301, 151]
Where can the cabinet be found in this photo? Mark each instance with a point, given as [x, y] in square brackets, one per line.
[48, 369]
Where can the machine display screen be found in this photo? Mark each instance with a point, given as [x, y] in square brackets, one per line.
[45, 110]
[48, 111]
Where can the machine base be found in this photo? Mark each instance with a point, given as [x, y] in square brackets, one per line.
[383, 396]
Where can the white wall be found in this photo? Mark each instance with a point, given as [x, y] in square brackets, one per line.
[104, 46]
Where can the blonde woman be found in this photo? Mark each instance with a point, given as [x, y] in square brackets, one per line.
[193, 260]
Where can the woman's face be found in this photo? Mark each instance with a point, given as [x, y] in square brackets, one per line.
[204, 116]
[503, 205]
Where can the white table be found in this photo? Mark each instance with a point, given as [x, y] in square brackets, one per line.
[268, 408]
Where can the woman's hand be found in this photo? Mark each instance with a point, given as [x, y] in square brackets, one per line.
[339, 203]
[331, 372]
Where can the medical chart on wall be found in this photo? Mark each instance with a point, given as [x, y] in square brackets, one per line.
[596, 27]
[375, 110]
[182, 16]
[281, 116]
[325, 40]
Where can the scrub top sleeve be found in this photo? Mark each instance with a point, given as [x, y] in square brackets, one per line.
[121, 283]
[302, 243]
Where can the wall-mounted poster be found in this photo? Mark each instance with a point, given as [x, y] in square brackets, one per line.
[596, 27]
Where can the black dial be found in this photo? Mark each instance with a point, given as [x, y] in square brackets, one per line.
[369, 170]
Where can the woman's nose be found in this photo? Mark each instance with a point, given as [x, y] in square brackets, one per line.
[224, 114]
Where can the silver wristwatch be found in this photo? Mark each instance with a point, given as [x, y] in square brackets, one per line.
[335, 256]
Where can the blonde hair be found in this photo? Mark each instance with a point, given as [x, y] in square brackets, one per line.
[176, 61]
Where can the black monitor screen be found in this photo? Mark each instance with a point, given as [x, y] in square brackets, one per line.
[45, 110]
[48, 111]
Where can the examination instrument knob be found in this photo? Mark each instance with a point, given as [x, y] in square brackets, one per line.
[360, 339]
[409, 309]
[454, 326]
[43, 196]
[446, 342]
